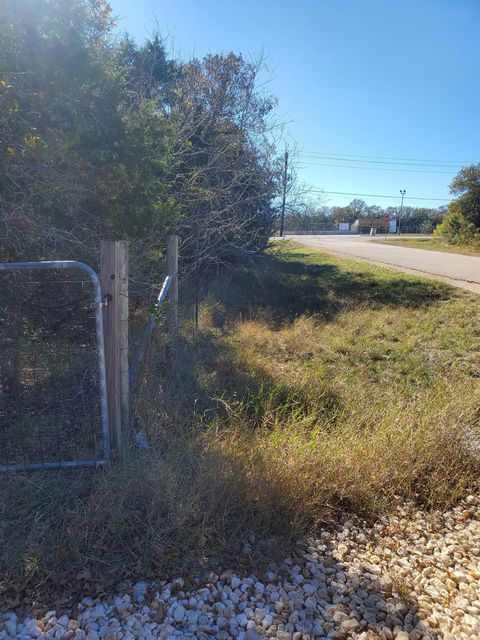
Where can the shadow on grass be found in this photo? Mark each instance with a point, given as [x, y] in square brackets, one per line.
[181, 498]
[288, 285]
[212, 382]
[187, 514]
[277, 288]
[155, 533]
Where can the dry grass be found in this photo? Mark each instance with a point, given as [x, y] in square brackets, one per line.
[313, 385]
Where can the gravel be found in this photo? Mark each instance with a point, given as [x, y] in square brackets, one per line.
[410, 576]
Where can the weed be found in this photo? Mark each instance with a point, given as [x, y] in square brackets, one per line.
[312, 385]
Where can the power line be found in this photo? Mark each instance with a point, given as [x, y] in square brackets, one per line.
[387, 157]
[346, 166]
[373, 195]
[437, 165]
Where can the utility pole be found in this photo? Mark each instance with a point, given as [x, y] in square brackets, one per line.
[282, 222]
[403, 192]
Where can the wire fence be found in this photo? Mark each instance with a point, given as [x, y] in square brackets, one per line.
[52, 389]
[150, 343]
[304, 228]
[147, 334]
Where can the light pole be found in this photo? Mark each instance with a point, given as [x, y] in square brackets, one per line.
[403, 192]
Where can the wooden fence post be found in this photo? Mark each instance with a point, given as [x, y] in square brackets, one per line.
[114, 280]
[172, 270]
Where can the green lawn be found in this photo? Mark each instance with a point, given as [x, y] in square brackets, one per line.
[433, 244]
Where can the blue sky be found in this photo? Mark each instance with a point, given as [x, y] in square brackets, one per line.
[368, 80]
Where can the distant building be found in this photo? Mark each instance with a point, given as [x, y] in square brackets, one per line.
[363, 225]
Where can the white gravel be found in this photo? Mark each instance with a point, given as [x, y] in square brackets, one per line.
[410, 576]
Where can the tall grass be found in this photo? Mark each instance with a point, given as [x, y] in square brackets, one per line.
[312, 386]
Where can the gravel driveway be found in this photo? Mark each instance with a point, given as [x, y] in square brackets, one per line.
[461, 271]
[412, 576]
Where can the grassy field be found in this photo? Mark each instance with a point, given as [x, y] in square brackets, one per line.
[312, 386]
[434, 244]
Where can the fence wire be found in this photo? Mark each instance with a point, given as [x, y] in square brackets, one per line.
[147, 333]
[312, 228]
[50, 409]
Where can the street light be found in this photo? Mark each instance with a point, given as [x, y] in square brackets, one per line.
[403, 192]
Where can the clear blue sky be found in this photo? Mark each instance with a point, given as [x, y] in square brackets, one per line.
[379, 78]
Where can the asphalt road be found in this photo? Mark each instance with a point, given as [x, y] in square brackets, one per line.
[461, 271]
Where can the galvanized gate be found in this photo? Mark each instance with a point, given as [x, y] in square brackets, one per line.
[53, 397]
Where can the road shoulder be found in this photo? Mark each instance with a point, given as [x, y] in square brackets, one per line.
[474, 287]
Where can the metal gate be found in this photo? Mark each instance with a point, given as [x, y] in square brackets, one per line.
[53, 397]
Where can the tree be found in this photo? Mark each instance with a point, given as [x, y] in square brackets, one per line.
[82, 143]
[102, 138]
[358, 209]
[374, 211]
[462, 220]
[466, 185]
[341, 214]
[225, 174]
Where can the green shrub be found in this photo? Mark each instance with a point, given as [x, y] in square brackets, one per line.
[456, 229]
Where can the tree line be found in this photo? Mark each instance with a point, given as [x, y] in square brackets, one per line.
[457, 223]
[421, 218]
[101, 137]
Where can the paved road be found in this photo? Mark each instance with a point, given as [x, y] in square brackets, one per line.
[462, 271]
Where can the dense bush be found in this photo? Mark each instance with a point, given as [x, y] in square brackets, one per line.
[462, 222]
[100, 137]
